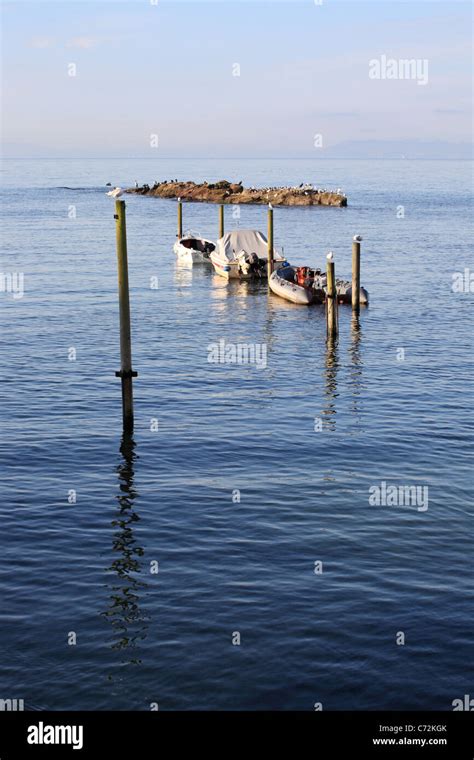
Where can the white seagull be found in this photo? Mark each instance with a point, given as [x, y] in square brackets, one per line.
[116, 192]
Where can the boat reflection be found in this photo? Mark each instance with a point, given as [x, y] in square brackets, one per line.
[183, 275]
[223, 288]
[129, 624]
[234, 296]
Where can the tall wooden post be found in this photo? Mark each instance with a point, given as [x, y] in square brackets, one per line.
[356, 273]
[331, 297]
[180, 219]
[221, 221]
[126, 373]
[270, 240]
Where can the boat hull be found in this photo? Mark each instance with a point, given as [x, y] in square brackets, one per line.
[344, 294]
[291, 291]
[285, 287]
[190, 256]
[231, 270]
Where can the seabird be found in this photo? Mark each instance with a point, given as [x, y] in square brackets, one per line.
[116, 193]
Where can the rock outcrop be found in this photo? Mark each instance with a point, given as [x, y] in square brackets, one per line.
[233, 193]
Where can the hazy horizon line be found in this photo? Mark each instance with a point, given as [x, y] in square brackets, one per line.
[233, 158]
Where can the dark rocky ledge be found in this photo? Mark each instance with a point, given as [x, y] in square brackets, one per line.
[232, 193]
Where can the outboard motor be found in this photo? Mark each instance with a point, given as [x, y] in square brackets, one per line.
[248, 263]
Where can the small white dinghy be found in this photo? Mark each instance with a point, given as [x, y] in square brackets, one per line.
[304, 285]
[193, 249]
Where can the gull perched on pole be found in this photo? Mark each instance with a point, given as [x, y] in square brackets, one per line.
[116, 193]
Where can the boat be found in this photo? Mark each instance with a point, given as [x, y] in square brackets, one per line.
[344, 293]
[298, 286]
[243, 254]
[304, 285]
[193, 249]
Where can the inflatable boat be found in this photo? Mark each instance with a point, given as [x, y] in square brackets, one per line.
[303, 285]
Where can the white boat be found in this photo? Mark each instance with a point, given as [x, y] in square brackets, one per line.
[243, 254]
[303, 285]
[193, 249]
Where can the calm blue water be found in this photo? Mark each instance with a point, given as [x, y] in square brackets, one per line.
[166, 496]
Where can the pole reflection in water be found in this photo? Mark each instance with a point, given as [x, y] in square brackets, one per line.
[355, 370]
[129, 624]
[331, 367]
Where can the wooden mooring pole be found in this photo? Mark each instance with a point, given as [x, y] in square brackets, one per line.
[331, 297]
[180, 219]
[221, 221]
[126, 373]
[356, 272]
[270, 240]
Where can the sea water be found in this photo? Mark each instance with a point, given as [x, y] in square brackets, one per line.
[230, 555]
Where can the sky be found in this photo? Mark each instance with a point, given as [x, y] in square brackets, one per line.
[86, 78]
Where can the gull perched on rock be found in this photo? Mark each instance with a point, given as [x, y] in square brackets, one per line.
[116, 193]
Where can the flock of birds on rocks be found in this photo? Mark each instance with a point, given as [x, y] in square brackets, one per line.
[304, 187]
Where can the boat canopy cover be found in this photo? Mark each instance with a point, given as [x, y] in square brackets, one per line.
[250, 241]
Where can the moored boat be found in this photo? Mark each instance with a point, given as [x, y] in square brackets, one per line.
[299, 287]
[304, 285]
[193, 249]
[243, 254]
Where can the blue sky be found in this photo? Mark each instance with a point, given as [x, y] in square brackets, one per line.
[167, 69]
